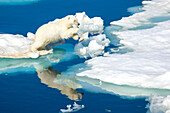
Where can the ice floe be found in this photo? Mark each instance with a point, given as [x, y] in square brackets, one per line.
[121, 90]
[94, 45]
[16, 46]
[92, 25]
[159, 104]
[148, 63]
[151, 9]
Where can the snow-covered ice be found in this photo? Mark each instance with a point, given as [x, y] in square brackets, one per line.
[94, 45]
[151, 9]
[148, 63]
[16, 46]
[159, 104]
[92, 25]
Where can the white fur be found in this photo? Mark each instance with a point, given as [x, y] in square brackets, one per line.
[55, 31]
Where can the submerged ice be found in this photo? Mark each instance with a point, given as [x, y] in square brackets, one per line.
[17, 2]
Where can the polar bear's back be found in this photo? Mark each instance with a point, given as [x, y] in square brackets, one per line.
[48, 32]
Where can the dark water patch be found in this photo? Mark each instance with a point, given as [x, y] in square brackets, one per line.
[21, 19]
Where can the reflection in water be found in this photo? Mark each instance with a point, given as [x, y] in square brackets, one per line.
[46, 73]
[54, 79]
[9, 63]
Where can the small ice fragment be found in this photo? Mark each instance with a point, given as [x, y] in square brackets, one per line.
[67, 110]
[30, 35]
[75, 108]
[107, 110]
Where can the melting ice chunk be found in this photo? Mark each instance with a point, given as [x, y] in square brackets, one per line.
[159, 104]
[91, 25]
[75, 108]
[94, 45]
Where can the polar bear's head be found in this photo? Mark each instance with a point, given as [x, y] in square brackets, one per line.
[71, 20]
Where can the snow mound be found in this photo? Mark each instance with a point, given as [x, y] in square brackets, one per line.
[94, 45]
[159, 104]
[16, 46]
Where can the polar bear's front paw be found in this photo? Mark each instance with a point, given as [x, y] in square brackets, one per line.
[75, 37]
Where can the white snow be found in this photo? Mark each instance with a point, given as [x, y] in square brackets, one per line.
[16, 46]
[152, 9]
[148, 63]
[92, 25]
[94, 45]
[121, 90]
[159, 104]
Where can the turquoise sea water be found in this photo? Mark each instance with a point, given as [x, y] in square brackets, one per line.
[25, 84]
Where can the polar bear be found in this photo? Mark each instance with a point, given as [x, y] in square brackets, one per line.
[55, 32]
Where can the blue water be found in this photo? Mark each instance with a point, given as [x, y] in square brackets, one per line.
[22, 90]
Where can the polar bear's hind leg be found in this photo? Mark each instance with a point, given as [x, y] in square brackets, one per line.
[37, 46]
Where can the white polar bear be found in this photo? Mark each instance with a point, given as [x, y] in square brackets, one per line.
[55, 31]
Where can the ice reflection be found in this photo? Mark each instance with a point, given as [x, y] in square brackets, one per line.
[15, 64]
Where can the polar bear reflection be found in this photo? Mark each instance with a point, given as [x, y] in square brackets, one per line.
[55, 79]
